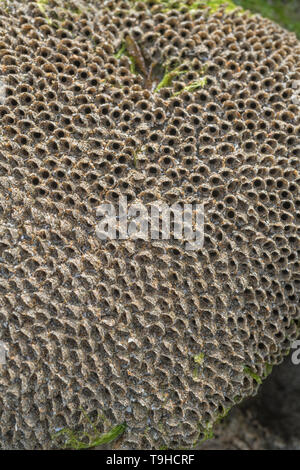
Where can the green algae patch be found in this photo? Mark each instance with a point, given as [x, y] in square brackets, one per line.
[41, 4]
[223, 414]
[123, 51]
[131, 49]
[61, 13]
[120, 52]
[136, 155]
[169, 76]
[215, 5]
[67, 438]
[199, 358]
[268, 370]
[84, 440]
[252, 374]
[205, 433]
[193, 86]
[192, 5]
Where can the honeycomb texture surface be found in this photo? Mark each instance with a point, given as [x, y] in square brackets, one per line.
[115, 326]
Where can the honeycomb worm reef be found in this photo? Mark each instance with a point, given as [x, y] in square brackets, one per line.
[155, 101]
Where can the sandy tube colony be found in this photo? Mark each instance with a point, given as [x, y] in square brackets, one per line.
[167, 101]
